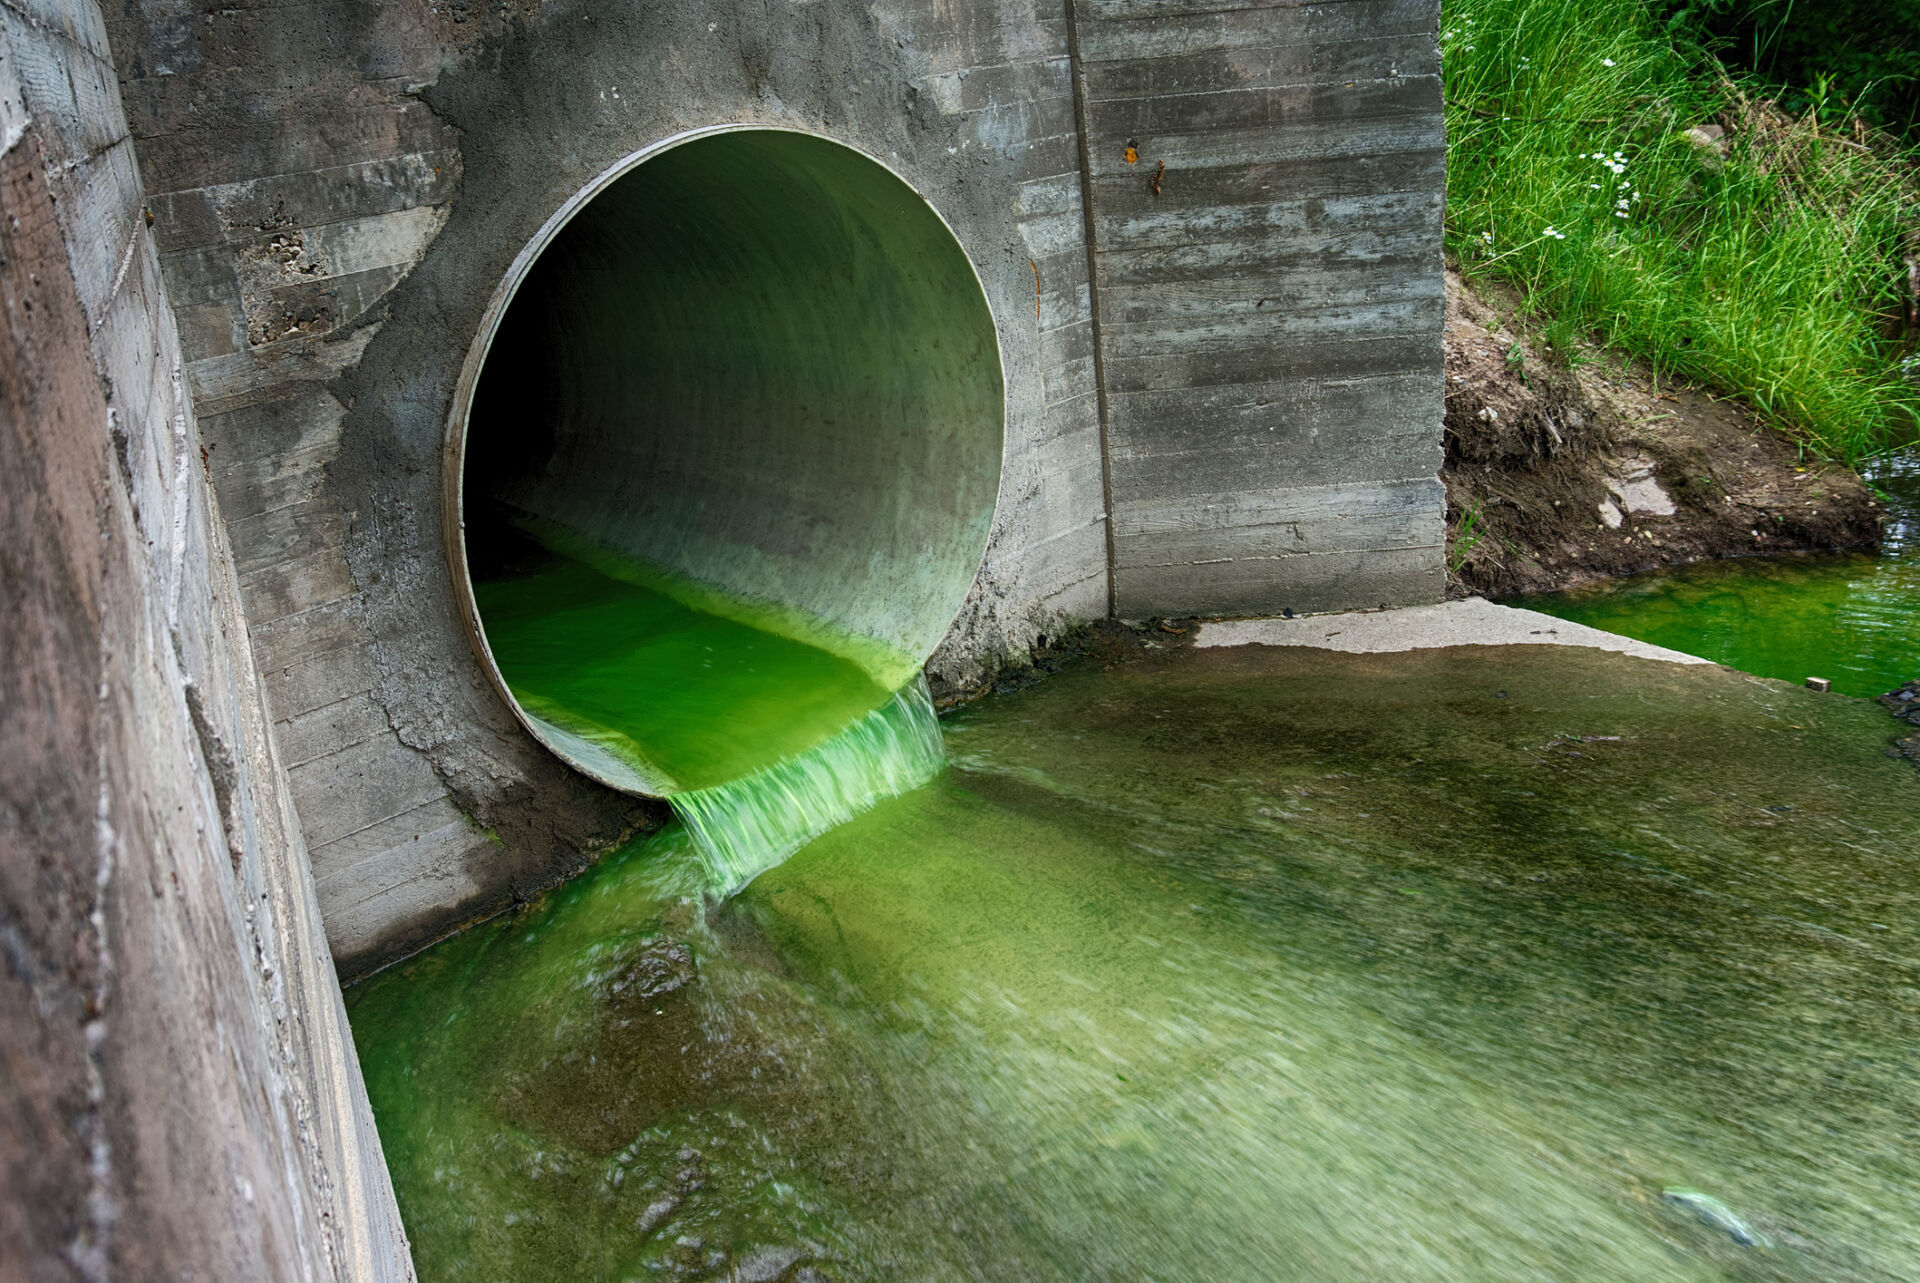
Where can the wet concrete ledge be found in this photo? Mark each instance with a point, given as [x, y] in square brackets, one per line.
[1471, 622]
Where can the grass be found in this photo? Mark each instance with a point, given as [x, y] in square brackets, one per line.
[1773, 271]
[1465, 536]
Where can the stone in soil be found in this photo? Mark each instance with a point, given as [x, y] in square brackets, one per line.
[1603, 470]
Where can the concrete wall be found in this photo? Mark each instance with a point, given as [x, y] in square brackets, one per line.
[178, 1092]
[337, 191]
[1269, 288]
[338, 188]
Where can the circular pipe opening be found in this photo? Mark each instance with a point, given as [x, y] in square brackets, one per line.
[724, 457]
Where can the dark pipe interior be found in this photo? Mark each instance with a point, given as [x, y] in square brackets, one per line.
[757, 374]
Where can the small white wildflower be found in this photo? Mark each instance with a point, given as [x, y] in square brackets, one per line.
[1595, 186]
[1620, 155]
[1636, 196]
[1619, 213]
[1558, 236]
[1606, 62]
[1487, 237]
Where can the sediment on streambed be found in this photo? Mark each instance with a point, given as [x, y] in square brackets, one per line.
[1558, 476]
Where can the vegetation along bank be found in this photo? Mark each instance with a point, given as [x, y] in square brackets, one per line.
[1681, 313]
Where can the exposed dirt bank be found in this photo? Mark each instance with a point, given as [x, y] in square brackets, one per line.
[1558, 476]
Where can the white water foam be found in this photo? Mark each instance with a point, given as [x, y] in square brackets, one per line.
[746, 826]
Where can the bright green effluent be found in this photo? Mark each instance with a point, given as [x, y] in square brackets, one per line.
[676, 697]
[1466, 966]
[746, 826]
[762, 737]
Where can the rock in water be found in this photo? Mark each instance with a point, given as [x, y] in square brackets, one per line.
[659, 966]
[1712, 1212]
[1904, 704]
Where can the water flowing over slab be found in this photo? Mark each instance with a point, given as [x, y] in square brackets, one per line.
[749, 825]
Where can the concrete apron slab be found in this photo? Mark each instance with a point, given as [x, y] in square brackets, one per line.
[1472, 622]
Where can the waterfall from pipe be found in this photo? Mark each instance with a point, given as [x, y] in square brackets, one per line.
[748, 825]
[762, 727]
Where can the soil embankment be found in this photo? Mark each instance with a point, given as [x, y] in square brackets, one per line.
[1556, 476]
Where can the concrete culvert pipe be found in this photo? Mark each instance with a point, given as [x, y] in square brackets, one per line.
[725, 464]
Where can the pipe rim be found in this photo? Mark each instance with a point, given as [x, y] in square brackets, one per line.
[453, 453]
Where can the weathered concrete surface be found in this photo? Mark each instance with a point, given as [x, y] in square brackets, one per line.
[339, 188]
[287, 207]
[462, 131]
[1473, 621]
[1269, 284]
[178, 1092]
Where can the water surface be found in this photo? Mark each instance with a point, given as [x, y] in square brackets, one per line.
[1849, 617]
[1478, 965]
[625, 665]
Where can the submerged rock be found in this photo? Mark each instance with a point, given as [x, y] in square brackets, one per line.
[657, 967]
[634, 1055]
[1904, 703]
[768, 1264]
[1714, 1214]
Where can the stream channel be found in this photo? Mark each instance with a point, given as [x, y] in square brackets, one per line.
[1219, 964]
[1849, 617]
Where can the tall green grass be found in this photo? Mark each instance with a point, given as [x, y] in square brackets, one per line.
[1773, 271]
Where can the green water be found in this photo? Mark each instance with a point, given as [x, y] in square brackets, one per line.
[679, 696]
[748, 825]
[1851, 618]
[1452, 965]
[765, 727]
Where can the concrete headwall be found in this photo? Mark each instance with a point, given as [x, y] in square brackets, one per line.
[1248, 381]
[178, 1092]
[1269, 291]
